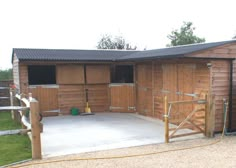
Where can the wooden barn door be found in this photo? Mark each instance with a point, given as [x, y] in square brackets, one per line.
[122, 97]
[178, 80]
[144, 89]
[48, 99]
[185, 84]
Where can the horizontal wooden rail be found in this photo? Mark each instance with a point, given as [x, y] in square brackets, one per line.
[200, 101]
[186, 134]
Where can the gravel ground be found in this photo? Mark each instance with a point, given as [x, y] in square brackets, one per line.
[221, 154]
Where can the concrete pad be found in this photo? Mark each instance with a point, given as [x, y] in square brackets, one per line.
[76, 134]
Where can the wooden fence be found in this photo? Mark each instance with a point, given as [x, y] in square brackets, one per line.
[29, 117]
[5, 92]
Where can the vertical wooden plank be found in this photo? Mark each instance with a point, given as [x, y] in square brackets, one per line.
[166, 117]
[185, 85]
[35, 130]
[210, 116]
[170, 84]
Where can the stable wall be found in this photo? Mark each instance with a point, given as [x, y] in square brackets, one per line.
[155, 79]
[69, 90]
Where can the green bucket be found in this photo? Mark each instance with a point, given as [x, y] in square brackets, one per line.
[74, 111]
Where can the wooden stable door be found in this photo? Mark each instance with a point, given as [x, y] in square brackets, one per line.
[122, 97]
[47, 97]
[178, 83]
[144, 89]
[178, 80]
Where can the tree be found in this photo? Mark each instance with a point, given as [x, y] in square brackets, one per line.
[234, 37]
[6, 74]
[108, 42]
[184, 35]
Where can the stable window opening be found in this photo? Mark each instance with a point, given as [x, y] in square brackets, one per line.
[122, 74]
[41, 74]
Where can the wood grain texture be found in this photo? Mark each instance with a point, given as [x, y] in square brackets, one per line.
[24, 82]
[225, 51]
[47, 98]
[16, 73]
[122, 98]
[220, 84]
[144, 89]
[70, 74]
[97, 74]
[74, 96]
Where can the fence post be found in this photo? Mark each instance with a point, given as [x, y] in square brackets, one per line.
[11, 103]
[166, 120]
[210, 115]
[35, 129]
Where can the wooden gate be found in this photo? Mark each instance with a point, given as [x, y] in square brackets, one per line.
[185, 110]
[47, 97]
[122, 97]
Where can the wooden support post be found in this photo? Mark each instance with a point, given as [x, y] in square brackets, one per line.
[166, 117]
[210, 116]
[12, 103]
[35, 129]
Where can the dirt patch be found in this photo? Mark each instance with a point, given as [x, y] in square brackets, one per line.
[221, 154]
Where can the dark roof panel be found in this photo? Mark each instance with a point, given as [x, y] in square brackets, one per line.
[177, 51]
[68, 55]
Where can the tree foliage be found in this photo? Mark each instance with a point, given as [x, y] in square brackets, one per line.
[184, 36]
[118, 42]
[6, 74]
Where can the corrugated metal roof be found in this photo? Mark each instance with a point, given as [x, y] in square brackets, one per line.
[178, 51]
[24, 54]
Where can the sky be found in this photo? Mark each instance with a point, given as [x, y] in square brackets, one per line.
[79, 24]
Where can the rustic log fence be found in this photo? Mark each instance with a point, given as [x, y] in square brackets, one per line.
[28, 111]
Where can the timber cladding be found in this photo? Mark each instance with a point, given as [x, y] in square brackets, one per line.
[69, 89]
[233, 115]
[220, 85]
[74, 96]
[97, 74]
[173, 78]
[144, 88]
[70, 74]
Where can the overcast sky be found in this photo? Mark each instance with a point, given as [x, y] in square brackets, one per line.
[79, 24]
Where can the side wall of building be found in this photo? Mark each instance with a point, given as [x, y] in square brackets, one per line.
[155, 79]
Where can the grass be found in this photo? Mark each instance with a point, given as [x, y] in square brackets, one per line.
[7, 123]
[13, 148]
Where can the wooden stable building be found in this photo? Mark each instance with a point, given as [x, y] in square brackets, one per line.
[128, 81]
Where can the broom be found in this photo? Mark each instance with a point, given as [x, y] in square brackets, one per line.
[87, 108]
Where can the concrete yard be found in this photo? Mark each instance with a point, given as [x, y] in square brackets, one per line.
[65, 135]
